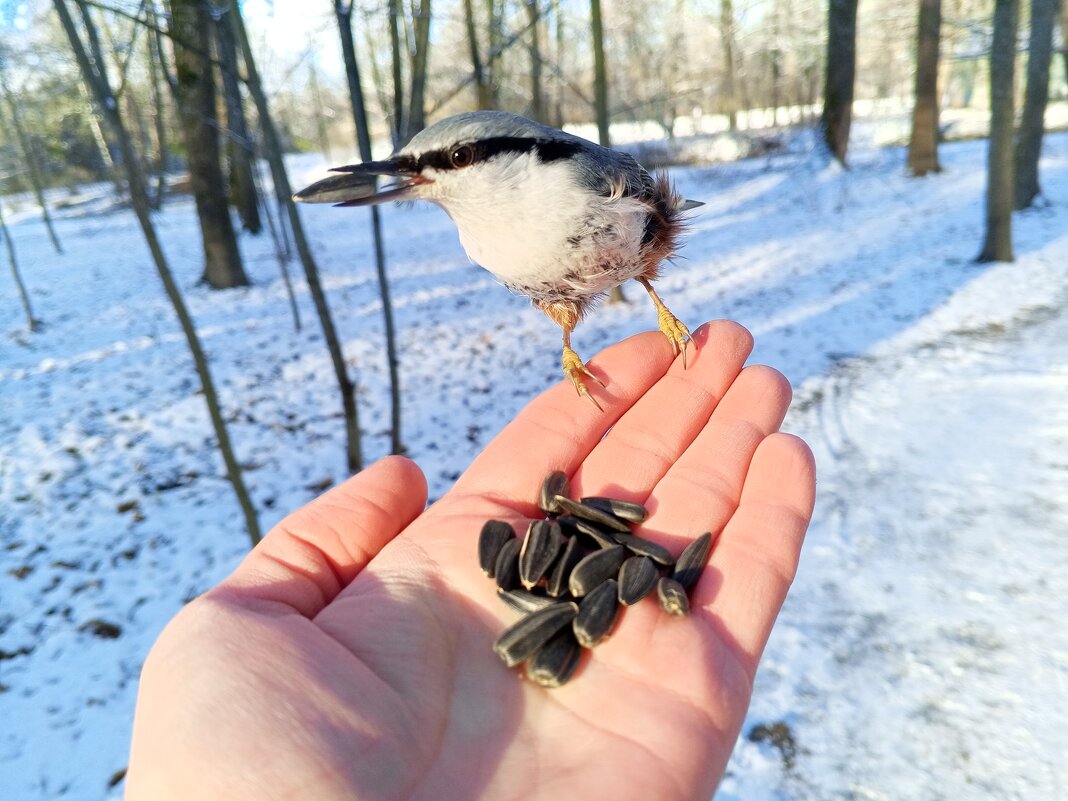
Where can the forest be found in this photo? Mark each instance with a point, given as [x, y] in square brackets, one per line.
[184, 347]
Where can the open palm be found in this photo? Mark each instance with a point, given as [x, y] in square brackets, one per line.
[349, 656]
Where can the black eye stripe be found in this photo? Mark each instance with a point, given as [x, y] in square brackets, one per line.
[547, 150]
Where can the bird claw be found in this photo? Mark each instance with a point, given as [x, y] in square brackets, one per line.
[574, 369]
[676, 332]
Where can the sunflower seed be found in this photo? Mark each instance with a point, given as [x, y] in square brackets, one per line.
[597, 614]
[589, 532]
[556, 584]
[624, 510]
[593, 570]
[672, 596]
[555, 483]
[506, 570]
[524, 600]
[493, 537]
[540, 547]
[589, 513]
[553, 663]
[692, 561]
[637, 578]
[520, 640]
[644, 547]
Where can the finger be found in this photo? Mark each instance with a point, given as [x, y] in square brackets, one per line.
[754, 561]
[651, 435]
[308, 558]
[558, 429]
[702, 489]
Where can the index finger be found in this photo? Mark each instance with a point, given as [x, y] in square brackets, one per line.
[558, 428]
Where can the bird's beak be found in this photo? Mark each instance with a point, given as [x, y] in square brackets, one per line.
[356, 185]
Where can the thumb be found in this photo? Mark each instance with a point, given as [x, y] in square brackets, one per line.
[314, 553]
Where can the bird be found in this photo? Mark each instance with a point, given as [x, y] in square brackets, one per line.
[552, 216]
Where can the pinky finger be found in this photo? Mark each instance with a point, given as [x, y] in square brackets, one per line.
[755, 558]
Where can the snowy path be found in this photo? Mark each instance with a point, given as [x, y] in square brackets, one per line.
[916, 659]
[923, 653]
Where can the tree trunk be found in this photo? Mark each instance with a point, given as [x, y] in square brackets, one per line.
[841, 70]
[96, 80]
[416, 119]
[29, 157]
[998, 244]
[363, 142]
[923, 145]
[400, 124]
[726, 34]
[1032, 122]
[240, 151]
[32, 323]
[1064, 36]
[600, 79]
[284, 193]
[537, 103]
[160, 125]
[195, 97]
[483, 91]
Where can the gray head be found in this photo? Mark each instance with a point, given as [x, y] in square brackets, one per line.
[460, 155]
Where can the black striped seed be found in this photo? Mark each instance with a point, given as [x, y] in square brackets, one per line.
[554, 663]
[540, 547]
[597, 614]
[644, 547]
[555, 483]
[672, 597]
[506, 571]
[624, 510]
[593, 536]
[523, 600]
[589, 513]
[637, 578]
[692, 561]
[520, 640]
[594, 570]
[494, 534]
[556, 583]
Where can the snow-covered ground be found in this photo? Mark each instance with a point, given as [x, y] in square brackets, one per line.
[922, 653]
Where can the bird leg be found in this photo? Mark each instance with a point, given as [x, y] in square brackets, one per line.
[670, 325]
[566, 315]
[574, 369]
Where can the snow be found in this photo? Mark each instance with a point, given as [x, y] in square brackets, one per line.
[922, 652]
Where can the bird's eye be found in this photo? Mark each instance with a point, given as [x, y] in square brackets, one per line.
[462, 156]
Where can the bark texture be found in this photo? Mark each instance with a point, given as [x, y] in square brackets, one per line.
[195, 97]
[923, 144]
[841, 72]
[1032, 121]
[999, 187]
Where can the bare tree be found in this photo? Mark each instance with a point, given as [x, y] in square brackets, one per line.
[32, 323]
[726, 35]
[537, 101]
[923, 144]
[420, 58]
[94, 74]
[485, 86]
[999, 185]
[1032, 121]
[190, 28]
[284, 193]
[841, 72]
[240, 152]
[600, 78]
[29, 156]
[343, 13]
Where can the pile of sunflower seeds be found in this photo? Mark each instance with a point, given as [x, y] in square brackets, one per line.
[572, 573]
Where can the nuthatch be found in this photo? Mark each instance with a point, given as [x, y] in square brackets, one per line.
[552, 216]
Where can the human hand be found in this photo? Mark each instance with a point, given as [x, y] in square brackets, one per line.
[348, 656]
